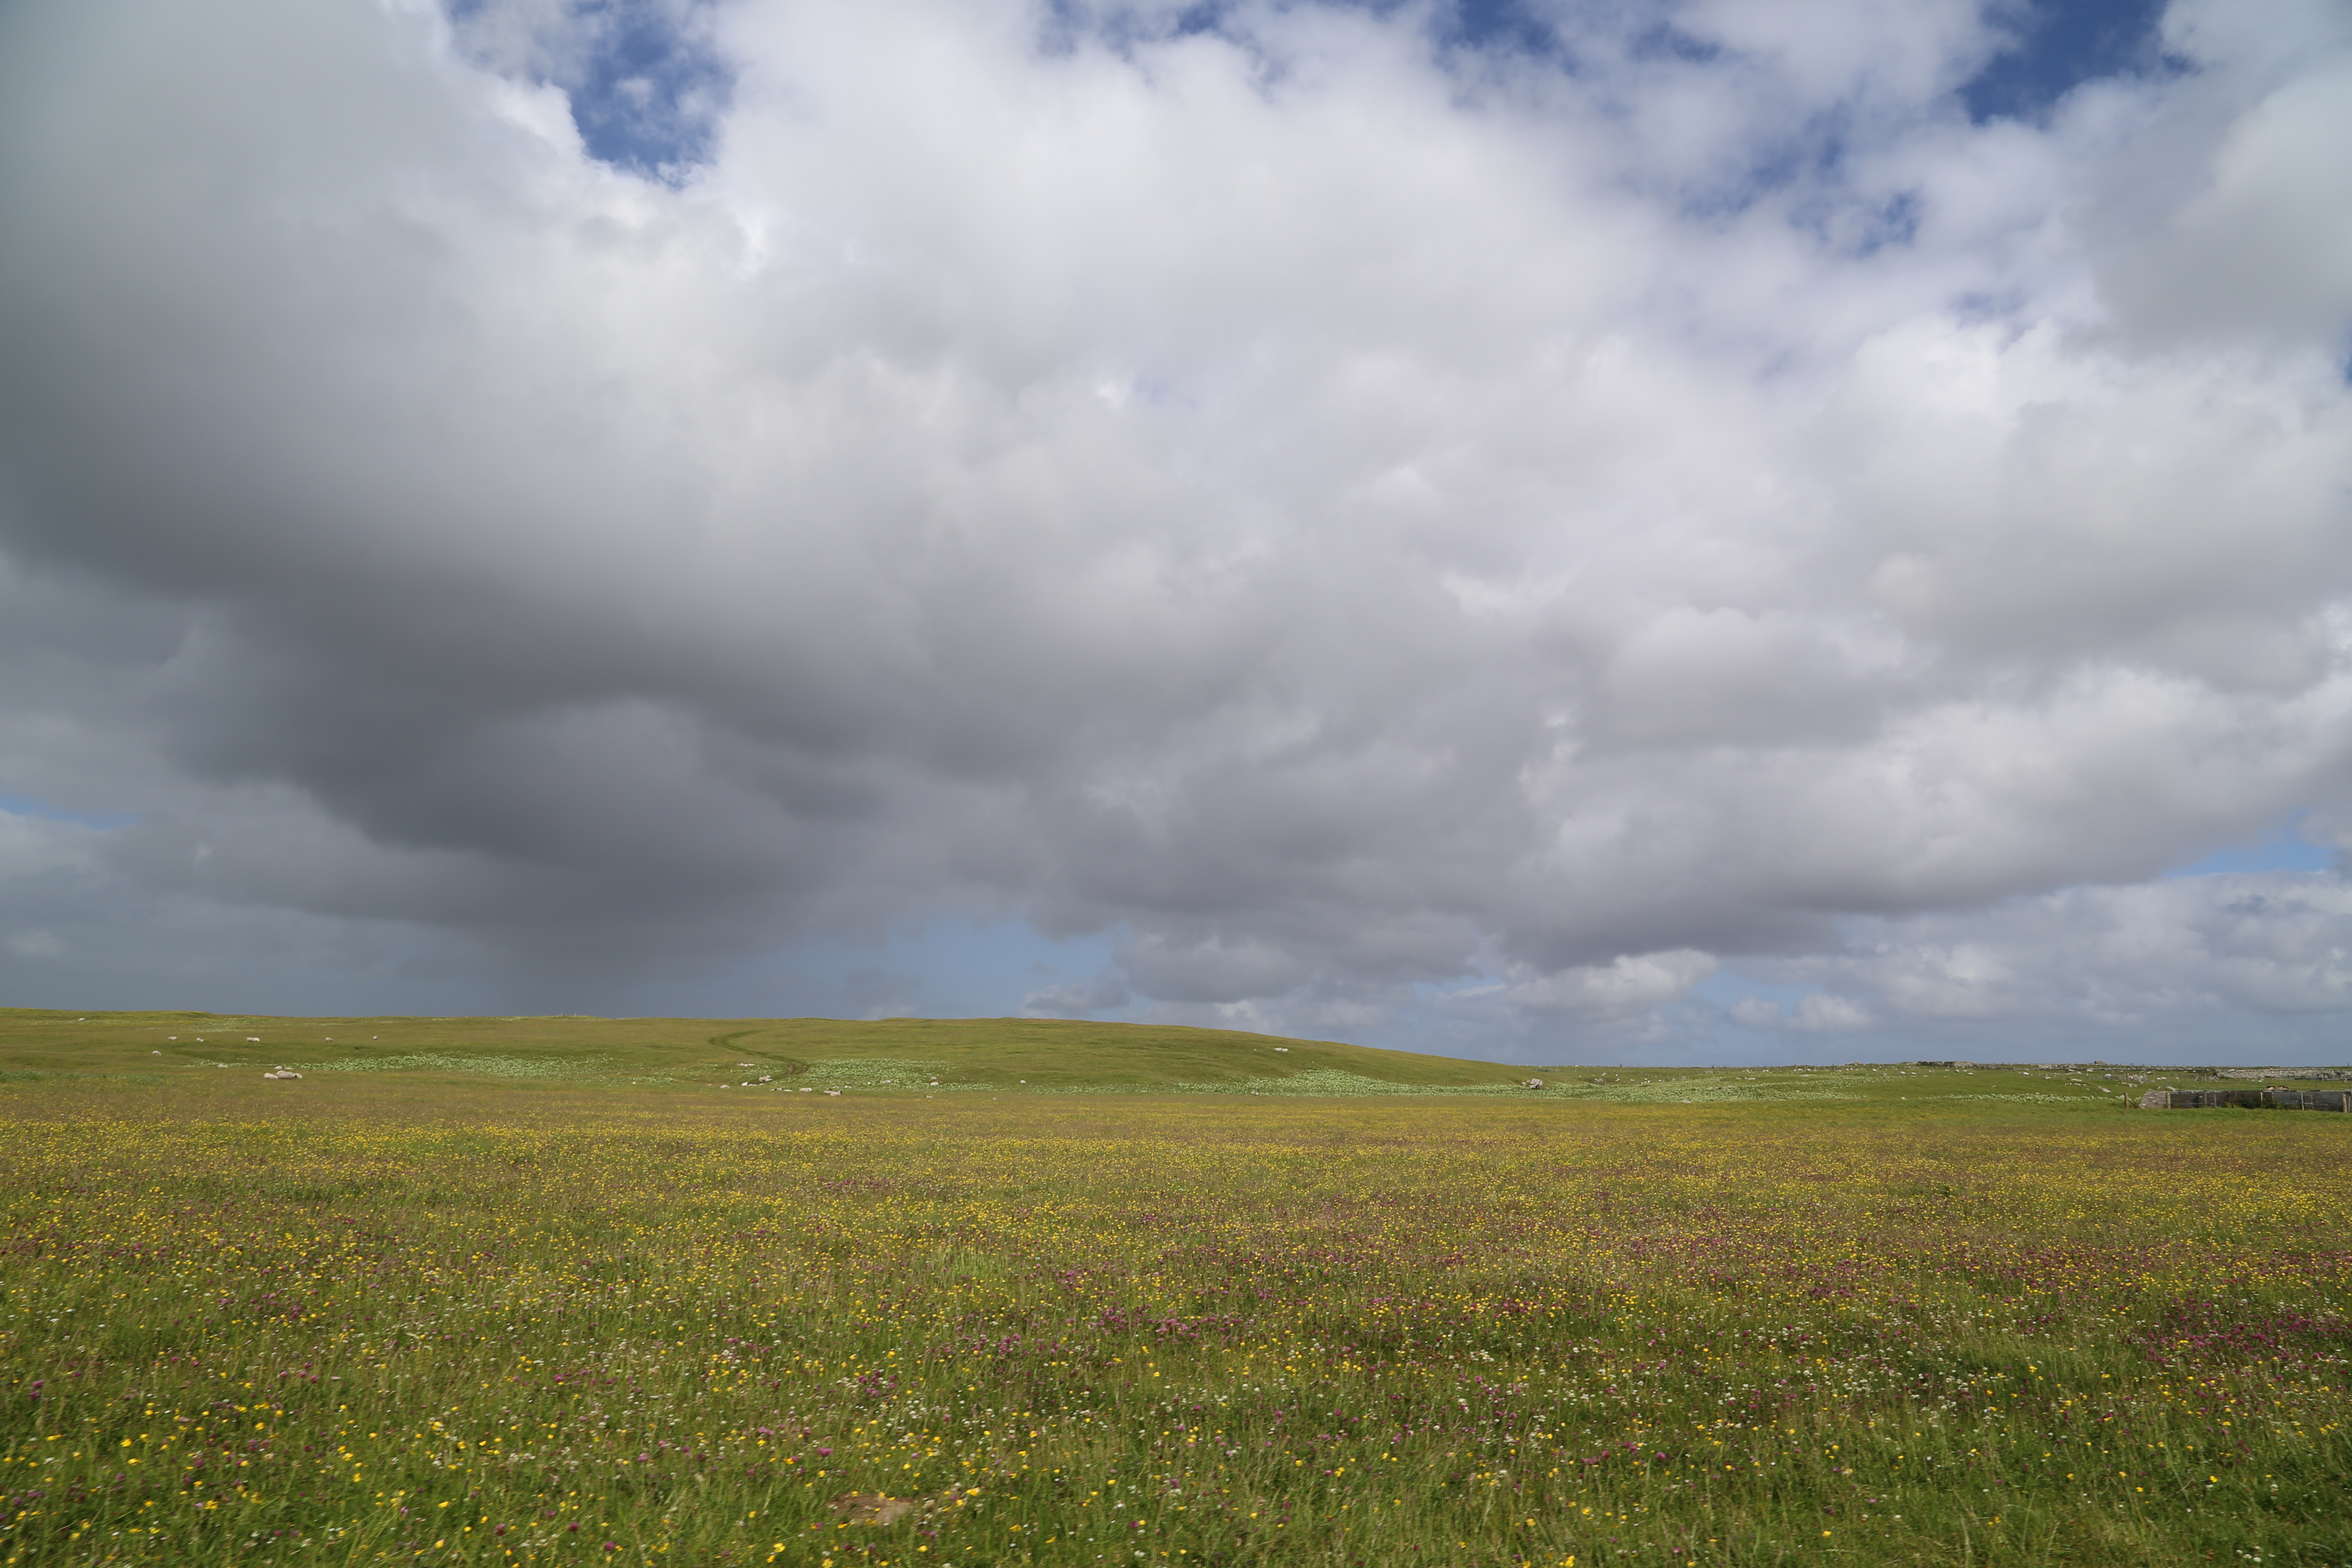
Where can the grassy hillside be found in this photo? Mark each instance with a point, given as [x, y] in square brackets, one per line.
[931, 1055]
[892, 1053]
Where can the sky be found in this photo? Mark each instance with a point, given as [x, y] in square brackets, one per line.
[1652, 532]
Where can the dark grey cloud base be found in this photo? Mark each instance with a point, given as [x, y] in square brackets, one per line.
[1365, 527]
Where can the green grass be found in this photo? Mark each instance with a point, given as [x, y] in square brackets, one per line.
[978, 1053]
[992, 1055]
[437, 1314]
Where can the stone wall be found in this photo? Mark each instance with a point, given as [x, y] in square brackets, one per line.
[2275, 1098]
[2325, 1075]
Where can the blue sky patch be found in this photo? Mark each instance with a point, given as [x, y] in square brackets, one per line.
[2281, 849]
[1728, 986]
[1504, 26]
[650, 98]
[26, 806]
[945, 968]
[647, 82]
[2059, 45]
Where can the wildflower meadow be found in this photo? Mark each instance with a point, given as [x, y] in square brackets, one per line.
[363, 1320]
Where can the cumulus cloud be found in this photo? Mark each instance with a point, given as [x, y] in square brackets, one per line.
[1396, 532]
[2261, 964]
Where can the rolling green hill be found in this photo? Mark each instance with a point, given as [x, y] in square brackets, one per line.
[891, 1053]
[935, 1056]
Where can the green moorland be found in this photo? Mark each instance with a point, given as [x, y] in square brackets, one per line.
[542, 1291]
[964, 1054]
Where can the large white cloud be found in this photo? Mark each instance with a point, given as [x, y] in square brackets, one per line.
[1340, 512]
